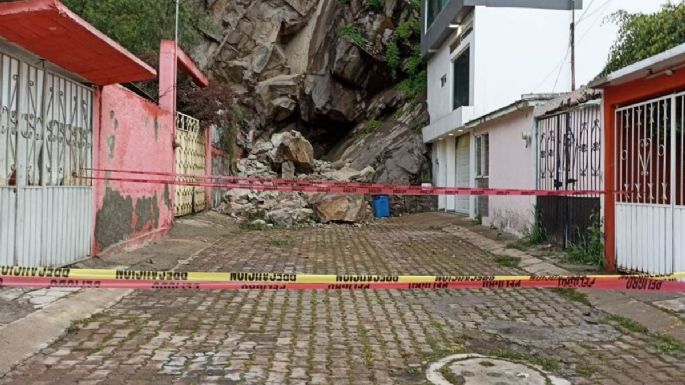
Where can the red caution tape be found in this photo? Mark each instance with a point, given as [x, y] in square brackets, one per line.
[356, 188]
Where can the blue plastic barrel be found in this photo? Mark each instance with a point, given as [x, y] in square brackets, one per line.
[381, 206]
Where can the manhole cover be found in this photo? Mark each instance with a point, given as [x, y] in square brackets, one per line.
[475, 369]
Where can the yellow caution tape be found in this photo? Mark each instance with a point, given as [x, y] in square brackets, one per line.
[145, 275]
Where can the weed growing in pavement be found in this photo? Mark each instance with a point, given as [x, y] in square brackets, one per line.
[448, 375]
[507, 261]
[548, 364]
[629, 324]
[478, 219]
[281, 242]
[536, 234]
[518, 245]
[367, 352]
[589, 250]
[255, 226]
[667, 344]
[585, 370]
[440, 352]
[437, 325]
[572, 295]
[661, 342]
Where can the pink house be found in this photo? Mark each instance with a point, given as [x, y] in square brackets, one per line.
[64, 113]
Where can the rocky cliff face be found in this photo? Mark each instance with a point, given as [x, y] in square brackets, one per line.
[328, 69]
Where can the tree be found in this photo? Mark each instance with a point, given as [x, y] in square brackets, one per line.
[139, 25]
[643, 35]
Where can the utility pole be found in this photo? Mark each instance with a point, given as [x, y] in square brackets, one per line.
[176, 23]
[573, 45]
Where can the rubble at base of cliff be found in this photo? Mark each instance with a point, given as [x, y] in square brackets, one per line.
[288, 155]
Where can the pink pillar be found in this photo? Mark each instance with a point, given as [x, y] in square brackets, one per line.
[208, 164]
[98, 184]
[167, 75]
[167, 95]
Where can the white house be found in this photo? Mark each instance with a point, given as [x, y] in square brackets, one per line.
[482, 56]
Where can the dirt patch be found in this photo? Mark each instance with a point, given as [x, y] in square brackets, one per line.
[533, 335]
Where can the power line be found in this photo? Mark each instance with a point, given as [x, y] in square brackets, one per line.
[595, 11]
[561, 64]
[586, 9]
[600, 17]
[561, 67]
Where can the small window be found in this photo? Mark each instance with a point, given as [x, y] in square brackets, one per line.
[482, 156]
[433, 8]
[461, 72]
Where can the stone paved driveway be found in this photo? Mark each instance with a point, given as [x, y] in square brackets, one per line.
[347, 337]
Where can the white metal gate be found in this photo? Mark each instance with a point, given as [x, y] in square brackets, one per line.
[190, 160]
[45, 136]
[650, 210]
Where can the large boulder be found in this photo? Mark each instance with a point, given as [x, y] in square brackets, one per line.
[354, 65]
[292, 146]
[340, 208]
[346, 174]
[276, 97]
[394, 147]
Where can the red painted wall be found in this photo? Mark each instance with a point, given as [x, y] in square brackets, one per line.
[132, 134]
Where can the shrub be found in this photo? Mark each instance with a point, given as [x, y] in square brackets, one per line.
[589, 249]
[353, 34]
[392, 56]
[536, 234]
[376, 5]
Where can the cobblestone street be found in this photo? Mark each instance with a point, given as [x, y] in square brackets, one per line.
[348, 337]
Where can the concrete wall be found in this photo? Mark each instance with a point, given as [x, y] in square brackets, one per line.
[511, 166]
[132, 134]
[439, 97]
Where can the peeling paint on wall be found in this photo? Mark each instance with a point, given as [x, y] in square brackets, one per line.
[166, 197]
[147, 213]
[110, 145]
[115, 122]
[129, 141]
[113, 221]
[156, 129]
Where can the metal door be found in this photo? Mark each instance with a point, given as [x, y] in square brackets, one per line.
[650, 212]
[45, 137]
[190, 160]
[569, 157]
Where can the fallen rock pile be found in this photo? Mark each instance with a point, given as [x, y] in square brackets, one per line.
[289, 155]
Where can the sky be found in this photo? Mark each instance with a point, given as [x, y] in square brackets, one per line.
[595, 35]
